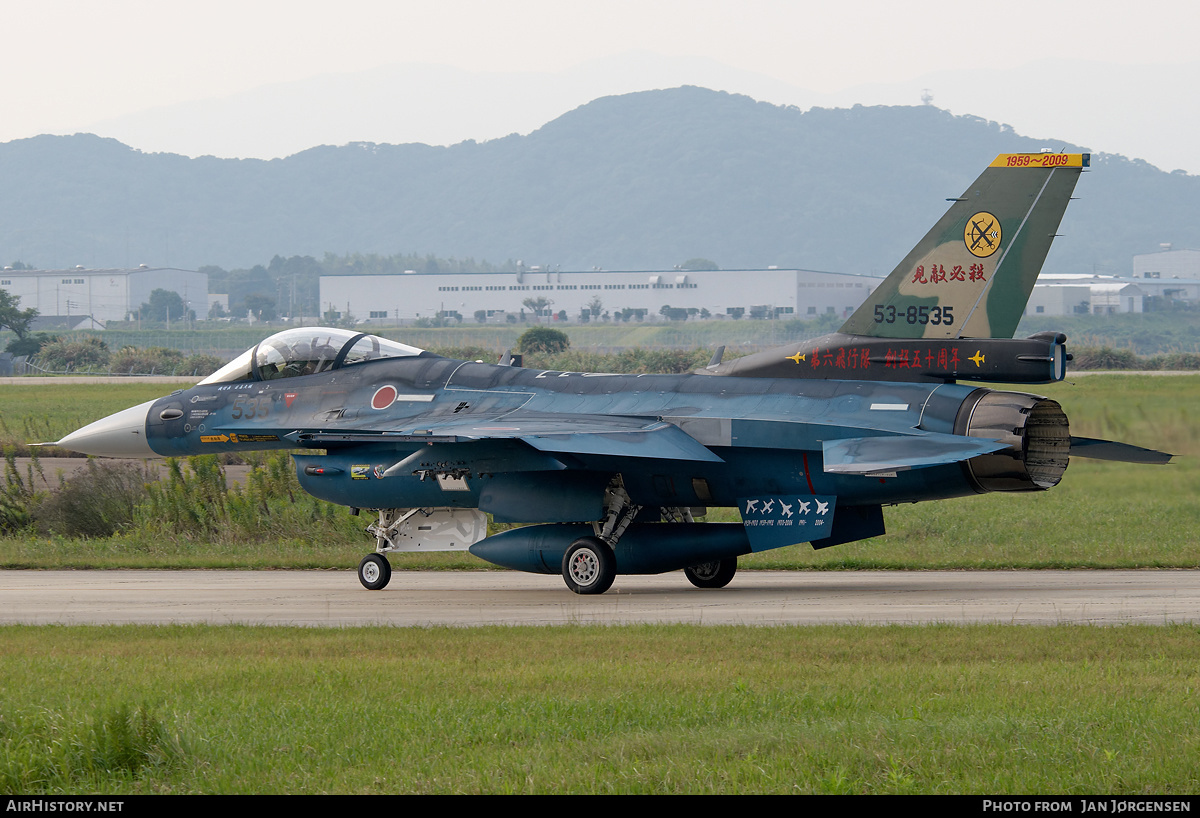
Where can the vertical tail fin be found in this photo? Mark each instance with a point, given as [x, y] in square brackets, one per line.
[971, 276]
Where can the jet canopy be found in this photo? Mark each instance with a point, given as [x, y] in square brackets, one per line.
[307, 351]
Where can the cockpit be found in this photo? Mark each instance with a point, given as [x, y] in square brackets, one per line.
[307, 351]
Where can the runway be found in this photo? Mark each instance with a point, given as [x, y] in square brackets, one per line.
[476, 598]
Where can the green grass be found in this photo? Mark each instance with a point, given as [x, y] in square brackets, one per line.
[44, 750]
[44, 410]
[644, 709]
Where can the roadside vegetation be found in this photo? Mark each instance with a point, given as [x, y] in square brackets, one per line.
[90, 355]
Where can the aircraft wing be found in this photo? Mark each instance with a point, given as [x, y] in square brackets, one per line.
[893, 453]
[615, 435]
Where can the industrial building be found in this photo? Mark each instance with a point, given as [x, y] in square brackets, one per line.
[86, 298]
[1085, 295]
[595, 295]
[1168, 264]
[1159, 278]
[101, 295]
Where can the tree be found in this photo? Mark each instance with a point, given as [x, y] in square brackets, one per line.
[543, 339]
[693, 264]
[30, 344]
[537, 305]
[262, 307]
[12, 316]
[164, 305]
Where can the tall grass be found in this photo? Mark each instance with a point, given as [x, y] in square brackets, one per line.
[18, 493]
[193, 503]
[98, 502]
[47, 750]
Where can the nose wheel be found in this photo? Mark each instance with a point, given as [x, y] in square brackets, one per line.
[374, 572]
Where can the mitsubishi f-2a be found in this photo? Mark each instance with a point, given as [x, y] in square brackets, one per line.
[808, 442]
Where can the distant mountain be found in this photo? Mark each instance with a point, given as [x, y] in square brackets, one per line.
[1130, 109]
[637, 181]
[421, 102]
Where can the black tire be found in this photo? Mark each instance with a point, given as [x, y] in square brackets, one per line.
[716, 574]
[589, 566]
[374, 572]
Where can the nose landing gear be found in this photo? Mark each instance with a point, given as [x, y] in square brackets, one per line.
[374, 572]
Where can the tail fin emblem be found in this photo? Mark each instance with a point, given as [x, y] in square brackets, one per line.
[982, 234]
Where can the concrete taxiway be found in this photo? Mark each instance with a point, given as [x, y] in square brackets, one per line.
[422, 598]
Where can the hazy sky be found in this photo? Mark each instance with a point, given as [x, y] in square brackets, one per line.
[69, 63]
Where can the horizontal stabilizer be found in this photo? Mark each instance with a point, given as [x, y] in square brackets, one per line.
[1120, 452]
[892, 453]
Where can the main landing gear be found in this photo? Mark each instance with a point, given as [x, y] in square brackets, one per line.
[712, 574]
[589, 566]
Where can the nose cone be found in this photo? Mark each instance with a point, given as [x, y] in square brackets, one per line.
[119, 435]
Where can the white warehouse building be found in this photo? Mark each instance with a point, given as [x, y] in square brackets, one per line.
[1081, 294]
[1168, 264]
[718, 293]
[104, 295]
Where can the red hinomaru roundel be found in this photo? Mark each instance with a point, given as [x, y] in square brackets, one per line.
[384, 397]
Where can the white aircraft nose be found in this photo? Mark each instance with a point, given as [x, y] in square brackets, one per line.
[120, 435]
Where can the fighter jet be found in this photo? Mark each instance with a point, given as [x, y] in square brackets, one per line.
[612, 470]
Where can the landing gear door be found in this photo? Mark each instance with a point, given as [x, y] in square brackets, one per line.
[428, 529]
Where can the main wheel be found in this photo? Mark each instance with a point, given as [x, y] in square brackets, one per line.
[374, 572]
[716, 574]
[589, 566]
